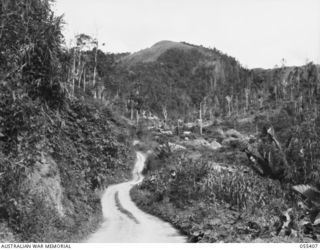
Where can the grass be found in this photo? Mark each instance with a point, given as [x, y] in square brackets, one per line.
[210, 205]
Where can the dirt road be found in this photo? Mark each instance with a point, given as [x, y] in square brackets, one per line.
[125, 222]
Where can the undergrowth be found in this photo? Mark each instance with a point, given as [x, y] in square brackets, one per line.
[83, 139]
[210, 204]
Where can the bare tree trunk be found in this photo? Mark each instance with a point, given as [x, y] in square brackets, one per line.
[274, 139]
[79, 69]
[73, 72]
[247, 92]
[200, 119]
[137, 116]
[237, 105]
[165, 114]
[131, 111]
[291, 92]
[80, 76]
[276, 94]
[229, 99]
[69, 75]
[95, 67]
[84, 80]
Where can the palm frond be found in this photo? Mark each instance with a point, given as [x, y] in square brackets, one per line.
[309, 192]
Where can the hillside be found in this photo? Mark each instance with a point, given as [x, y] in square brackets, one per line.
[54, 164]
[58, 149]
[211, 185]
[153, 53]
[176, 77]
[247, 176]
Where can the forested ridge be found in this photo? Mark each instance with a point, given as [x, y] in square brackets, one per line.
[179, 78]
[247, 139]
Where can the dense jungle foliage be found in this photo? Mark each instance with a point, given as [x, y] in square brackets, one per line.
[56, 151]
[215, 196]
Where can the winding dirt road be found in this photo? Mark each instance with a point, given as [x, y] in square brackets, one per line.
[125, 222]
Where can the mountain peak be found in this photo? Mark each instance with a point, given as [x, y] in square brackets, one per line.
[154, 52]
[165, 43]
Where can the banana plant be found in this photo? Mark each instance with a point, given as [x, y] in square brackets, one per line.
[312, 194]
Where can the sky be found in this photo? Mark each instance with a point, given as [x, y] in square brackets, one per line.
[258, 33]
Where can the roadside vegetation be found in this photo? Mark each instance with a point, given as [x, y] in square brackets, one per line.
[217, 195]
[56, 151]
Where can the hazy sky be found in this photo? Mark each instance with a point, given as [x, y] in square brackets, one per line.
[258, 33]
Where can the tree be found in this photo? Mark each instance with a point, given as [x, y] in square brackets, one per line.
[83, 43]
[283, 62]
[247, 93]
[165, 113]
[81, 60]
[30, 47]
[229, 100]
